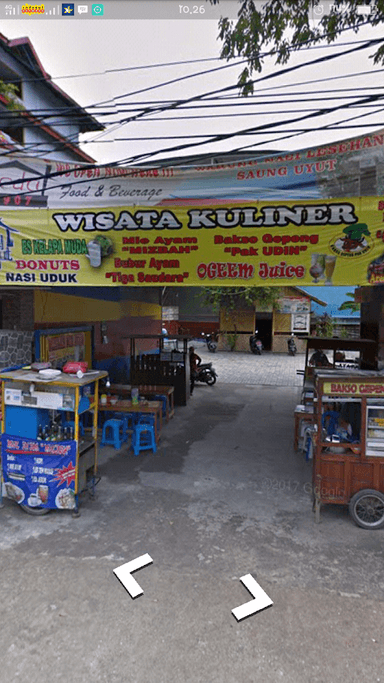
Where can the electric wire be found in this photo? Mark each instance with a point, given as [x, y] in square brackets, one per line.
[174, 104]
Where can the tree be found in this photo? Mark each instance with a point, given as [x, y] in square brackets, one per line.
[232, 297]
[324, 325]
[283, 26]
[350, 305]
[8, 91]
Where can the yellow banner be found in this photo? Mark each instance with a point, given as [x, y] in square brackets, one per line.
[333, 242]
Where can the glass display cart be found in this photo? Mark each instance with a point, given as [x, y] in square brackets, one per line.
[348, 444]
[48, 453]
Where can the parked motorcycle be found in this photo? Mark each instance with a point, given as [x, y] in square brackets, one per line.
[292, 350]
[206, 373]
[211, 342]
[255, 344]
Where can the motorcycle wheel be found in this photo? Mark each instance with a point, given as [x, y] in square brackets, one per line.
[210, 379]
[212, 347]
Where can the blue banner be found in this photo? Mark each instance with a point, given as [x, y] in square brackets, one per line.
[39, 473]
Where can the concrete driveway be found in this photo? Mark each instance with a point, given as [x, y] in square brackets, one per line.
[225, 495]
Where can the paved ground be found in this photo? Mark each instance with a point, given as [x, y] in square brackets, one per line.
[225, 495]
[274, 369]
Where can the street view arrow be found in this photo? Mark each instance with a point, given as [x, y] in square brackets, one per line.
[261, 599]
[124, 572]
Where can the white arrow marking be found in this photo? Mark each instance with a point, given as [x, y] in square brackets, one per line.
[124, 572]
[261, 599]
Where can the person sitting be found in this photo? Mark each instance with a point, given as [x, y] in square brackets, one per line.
[344, 430]
[194, 361]
[319, 359]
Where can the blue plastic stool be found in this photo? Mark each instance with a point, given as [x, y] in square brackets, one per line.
[143, 438]
[71, 423]
[111, 435]
[124, 417]
[130, 419]
[146, 419]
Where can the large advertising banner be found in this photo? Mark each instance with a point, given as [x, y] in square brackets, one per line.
[301, 218]
[333, 242]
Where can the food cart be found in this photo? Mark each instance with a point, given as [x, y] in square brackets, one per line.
[338, 354]
[48, 456]
[348, 443]
[335, 354]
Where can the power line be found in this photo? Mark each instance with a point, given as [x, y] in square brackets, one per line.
[146, 112]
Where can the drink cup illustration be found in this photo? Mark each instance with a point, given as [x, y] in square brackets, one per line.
[317, 266]
[94, 253]
[98, 248]
[42, 492]
[330, 262]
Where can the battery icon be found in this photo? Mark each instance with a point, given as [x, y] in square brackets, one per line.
[363, 9]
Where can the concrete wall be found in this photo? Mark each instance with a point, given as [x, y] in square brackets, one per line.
[119, 318]
[239, 319]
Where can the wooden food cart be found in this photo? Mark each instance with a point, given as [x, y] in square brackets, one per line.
[47, 456]
[348, 444]
[335, 354]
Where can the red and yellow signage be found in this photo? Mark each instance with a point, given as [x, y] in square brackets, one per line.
[354, 388]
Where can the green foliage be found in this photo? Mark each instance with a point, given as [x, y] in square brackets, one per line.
[9, 90]
[281, 27]
[344, 333]
[232, 297]
[350, 305]
[231, 340]
[324, 326]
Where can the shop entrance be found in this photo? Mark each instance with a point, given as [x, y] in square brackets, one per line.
[264, 327]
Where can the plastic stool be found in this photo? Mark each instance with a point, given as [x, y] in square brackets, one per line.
[143, 438]
[71, 423]
[130, 419]
[111, 433]
[146, 419]
[124, 417]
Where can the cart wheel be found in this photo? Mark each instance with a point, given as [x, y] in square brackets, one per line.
[37, 511]
[366, 508]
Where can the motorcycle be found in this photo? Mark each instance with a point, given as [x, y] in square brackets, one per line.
[292, 350]
[255, 344]
[211, 342]
[206, 373]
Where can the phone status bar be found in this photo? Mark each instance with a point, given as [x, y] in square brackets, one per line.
[121, 9]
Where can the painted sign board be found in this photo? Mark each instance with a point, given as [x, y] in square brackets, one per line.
[354, 388]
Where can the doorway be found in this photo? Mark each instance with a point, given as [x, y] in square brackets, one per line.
[264, 327]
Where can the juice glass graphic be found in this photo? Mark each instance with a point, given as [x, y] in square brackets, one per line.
[42, 492]
[330, 262]
[317, 266]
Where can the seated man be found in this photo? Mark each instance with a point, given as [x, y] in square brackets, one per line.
[319, 359]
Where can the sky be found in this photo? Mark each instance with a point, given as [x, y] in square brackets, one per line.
[74, 47]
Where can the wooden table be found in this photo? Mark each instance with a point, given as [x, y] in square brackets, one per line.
[149, 390]
[124, 406]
